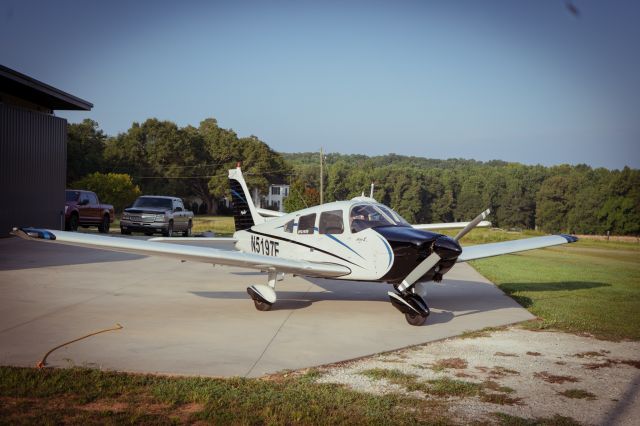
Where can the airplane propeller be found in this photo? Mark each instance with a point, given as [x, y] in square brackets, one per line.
[433, 259]
[472, 224]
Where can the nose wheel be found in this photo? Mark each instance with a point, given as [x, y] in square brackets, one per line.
[415, 319]
[412, 305]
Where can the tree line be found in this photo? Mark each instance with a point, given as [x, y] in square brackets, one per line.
[161, 157]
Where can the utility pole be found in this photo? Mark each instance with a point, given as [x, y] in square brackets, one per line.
[321, 176]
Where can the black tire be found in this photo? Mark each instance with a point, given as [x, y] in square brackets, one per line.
[125, 231]
[169, 231]
[262, 306]
[416, 319]
[187, 232]
[104, 226]
[73, 223]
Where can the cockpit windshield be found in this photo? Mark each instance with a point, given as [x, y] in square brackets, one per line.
[364, 216]
[399, 220]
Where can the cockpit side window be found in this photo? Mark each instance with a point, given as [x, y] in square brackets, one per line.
[331, 222]
[306, 224]
[288, 227]
[364, 216]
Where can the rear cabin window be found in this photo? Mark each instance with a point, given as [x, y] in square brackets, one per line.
[288, 227]
[306, 224]
[331, 222]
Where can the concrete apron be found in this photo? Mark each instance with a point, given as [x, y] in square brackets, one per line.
[196, 319]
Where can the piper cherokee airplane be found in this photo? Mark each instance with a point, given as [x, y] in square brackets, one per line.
[355, 240]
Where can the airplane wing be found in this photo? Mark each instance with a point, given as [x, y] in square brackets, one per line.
[450, 225]
[222, 243]
[184, 252]
[495, 249]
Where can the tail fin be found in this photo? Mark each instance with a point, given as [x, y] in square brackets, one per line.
[245, 214]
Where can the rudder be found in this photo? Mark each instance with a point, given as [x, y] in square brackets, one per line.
[245, 214]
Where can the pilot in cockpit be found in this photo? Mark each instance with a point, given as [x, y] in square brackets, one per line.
[357, 219]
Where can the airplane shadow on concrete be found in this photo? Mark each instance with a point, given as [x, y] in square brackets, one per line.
[17, 254]
[449, 300]
[294, 300]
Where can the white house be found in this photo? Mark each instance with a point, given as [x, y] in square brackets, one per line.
[275, 197]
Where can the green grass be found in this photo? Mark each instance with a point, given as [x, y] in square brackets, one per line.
[557, 420]
[577, 394]
[86, 396]
[474, 334]
[492, 235]
[450, 387]
[221, 225]
[445, 387]
[587, 287]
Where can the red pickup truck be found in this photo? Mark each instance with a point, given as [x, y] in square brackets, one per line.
[83, 208]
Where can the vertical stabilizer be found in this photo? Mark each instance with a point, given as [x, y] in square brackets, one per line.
[245, 214]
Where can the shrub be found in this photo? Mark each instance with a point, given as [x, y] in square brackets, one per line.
[112, 188]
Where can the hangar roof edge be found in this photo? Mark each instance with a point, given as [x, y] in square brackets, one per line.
[22, 86]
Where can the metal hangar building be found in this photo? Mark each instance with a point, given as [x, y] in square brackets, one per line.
[33, 151]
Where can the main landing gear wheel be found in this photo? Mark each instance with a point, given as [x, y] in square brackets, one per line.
[263, 296]
[262, 306]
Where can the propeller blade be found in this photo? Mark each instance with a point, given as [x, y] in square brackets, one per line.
[419, 271]
[472, 224]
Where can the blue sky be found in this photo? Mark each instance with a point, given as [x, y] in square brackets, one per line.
[522, 81]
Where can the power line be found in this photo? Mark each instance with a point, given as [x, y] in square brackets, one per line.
[217, 175]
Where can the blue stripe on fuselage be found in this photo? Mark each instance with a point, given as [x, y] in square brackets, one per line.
[342, 243]
[386, 245]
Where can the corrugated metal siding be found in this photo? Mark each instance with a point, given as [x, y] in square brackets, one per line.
[33, 167]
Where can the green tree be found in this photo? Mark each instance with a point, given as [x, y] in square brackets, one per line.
[300, 197]
[112, 188]
[553, 204]
[620, 213]
[260, 164]
[470, 200]
[85, 149]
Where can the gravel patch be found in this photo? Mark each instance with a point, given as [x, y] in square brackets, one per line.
[522, 373]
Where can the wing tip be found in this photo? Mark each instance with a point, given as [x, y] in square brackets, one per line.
[33, 234]
[569, 238]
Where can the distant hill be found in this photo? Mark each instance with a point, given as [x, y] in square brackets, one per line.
[309, 158]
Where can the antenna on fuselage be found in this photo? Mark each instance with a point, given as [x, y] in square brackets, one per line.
[371, 193]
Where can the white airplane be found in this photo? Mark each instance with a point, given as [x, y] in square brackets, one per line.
[355, 240]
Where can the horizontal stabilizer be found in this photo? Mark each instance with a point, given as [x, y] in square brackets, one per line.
[495, 249]
[269, 213]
